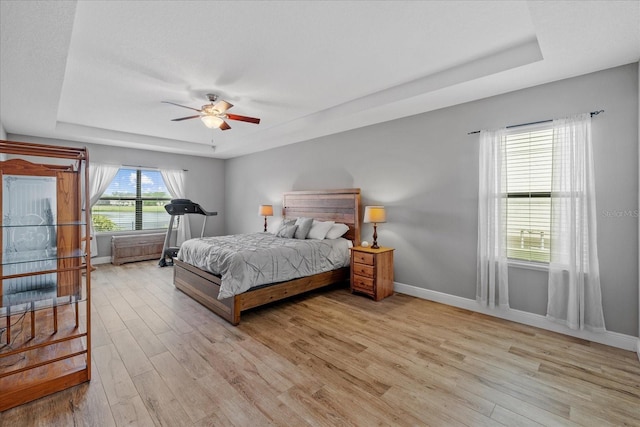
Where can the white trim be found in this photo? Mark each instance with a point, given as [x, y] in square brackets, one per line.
[101, 260]
[638, 349]
[614, 339]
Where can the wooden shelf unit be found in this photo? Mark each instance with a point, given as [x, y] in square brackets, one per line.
[45, 331]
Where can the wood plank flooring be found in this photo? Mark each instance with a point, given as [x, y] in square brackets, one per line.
[328, 359]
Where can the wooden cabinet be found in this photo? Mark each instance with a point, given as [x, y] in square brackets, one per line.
[45, 320]
[139, 247]
[372, 271]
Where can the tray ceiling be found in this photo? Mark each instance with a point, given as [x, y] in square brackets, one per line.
[97, 71]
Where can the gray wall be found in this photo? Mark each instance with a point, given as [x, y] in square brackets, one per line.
[204, 180]
[424, 169]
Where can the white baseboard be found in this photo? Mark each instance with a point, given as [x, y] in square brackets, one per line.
[101, 260]
[614, 339]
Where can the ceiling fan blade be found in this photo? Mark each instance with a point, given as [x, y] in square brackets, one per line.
[222, 106]
[243, 118]
[185, 118]
[224, 126]
[183, 106]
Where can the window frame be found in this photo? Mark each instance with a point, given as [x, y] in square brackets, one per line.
[138, 200]
[507, 195]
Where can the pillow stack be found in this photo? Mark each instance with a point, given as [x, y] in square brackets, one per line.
[309, 228]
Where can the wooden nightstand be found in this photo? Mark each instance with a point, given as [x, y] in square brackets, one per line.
[372, 271]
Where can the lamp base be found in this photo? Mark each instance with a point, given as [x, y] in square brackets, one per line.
[375, 237]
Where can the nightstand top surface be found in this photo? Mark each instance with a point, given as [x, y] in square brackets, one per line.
[381, 249]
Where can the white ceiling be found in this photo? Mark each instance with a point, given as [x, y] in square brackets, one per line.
[97, 71]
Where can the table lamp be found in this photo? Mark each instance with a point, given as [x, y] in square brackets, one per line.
[375, 215]
[265, 211]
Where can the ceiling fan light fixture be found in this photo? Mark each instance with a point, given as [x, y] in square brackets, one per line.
[210, 109]
[213, 115]
[212, 122]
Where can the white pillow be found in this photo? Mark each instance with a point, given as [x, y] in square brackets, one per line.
[319, 229]
[337, 230]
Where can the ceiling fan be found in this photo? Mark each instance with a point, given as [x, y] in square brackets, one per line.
[213, 115]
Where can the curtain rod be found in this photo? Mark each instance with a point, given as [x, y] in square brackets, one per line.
[593, 113]
[147, 167]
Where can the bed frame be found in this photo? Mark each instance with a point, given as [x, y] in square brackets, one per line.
[326, 205]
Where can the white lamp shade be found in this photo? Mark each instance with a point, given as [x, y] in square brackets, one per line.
[212, 122]
[375, 214]
[265, 210]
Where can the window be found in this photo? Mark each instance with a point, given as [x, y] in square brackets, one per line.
[527, 164]
[134, 200]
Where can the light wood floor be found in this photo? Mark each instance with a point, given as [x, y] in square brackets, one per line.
[328, 359]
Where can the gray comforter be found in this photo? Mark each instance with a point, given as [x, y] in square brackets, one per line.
[247, 260]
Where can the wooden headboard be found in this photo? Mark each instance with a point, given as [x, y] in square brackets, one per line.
[326, 205]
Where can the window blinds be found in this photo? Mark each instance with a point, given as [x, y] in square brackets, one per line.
[527, 183]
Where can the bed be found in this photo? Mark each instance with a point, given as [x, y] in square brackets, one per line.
[341, 206]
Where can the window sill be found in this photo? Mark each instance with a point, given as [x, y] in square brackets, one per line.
[528, 265]
[130, 232]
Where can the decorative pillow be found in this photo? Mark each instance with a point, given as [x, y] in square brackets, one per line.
[337, 230]
[304, 225]
[287, 231]
[278, 224]
[319, 229]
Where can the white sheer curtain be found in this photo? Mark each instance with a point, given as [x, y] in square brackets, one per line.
[492, 283]
[100, 176]
[174, 180]
[574, 276]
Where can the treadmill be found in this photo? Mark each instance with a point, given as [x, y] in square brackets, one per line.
[175, 208]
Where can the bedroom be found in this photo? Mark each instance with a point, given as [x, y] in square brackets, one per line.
[423, 168]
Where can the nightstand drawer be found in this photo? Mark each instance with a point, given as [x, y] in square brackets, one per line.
[363, 270]
[362, 258]
[362, 284]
